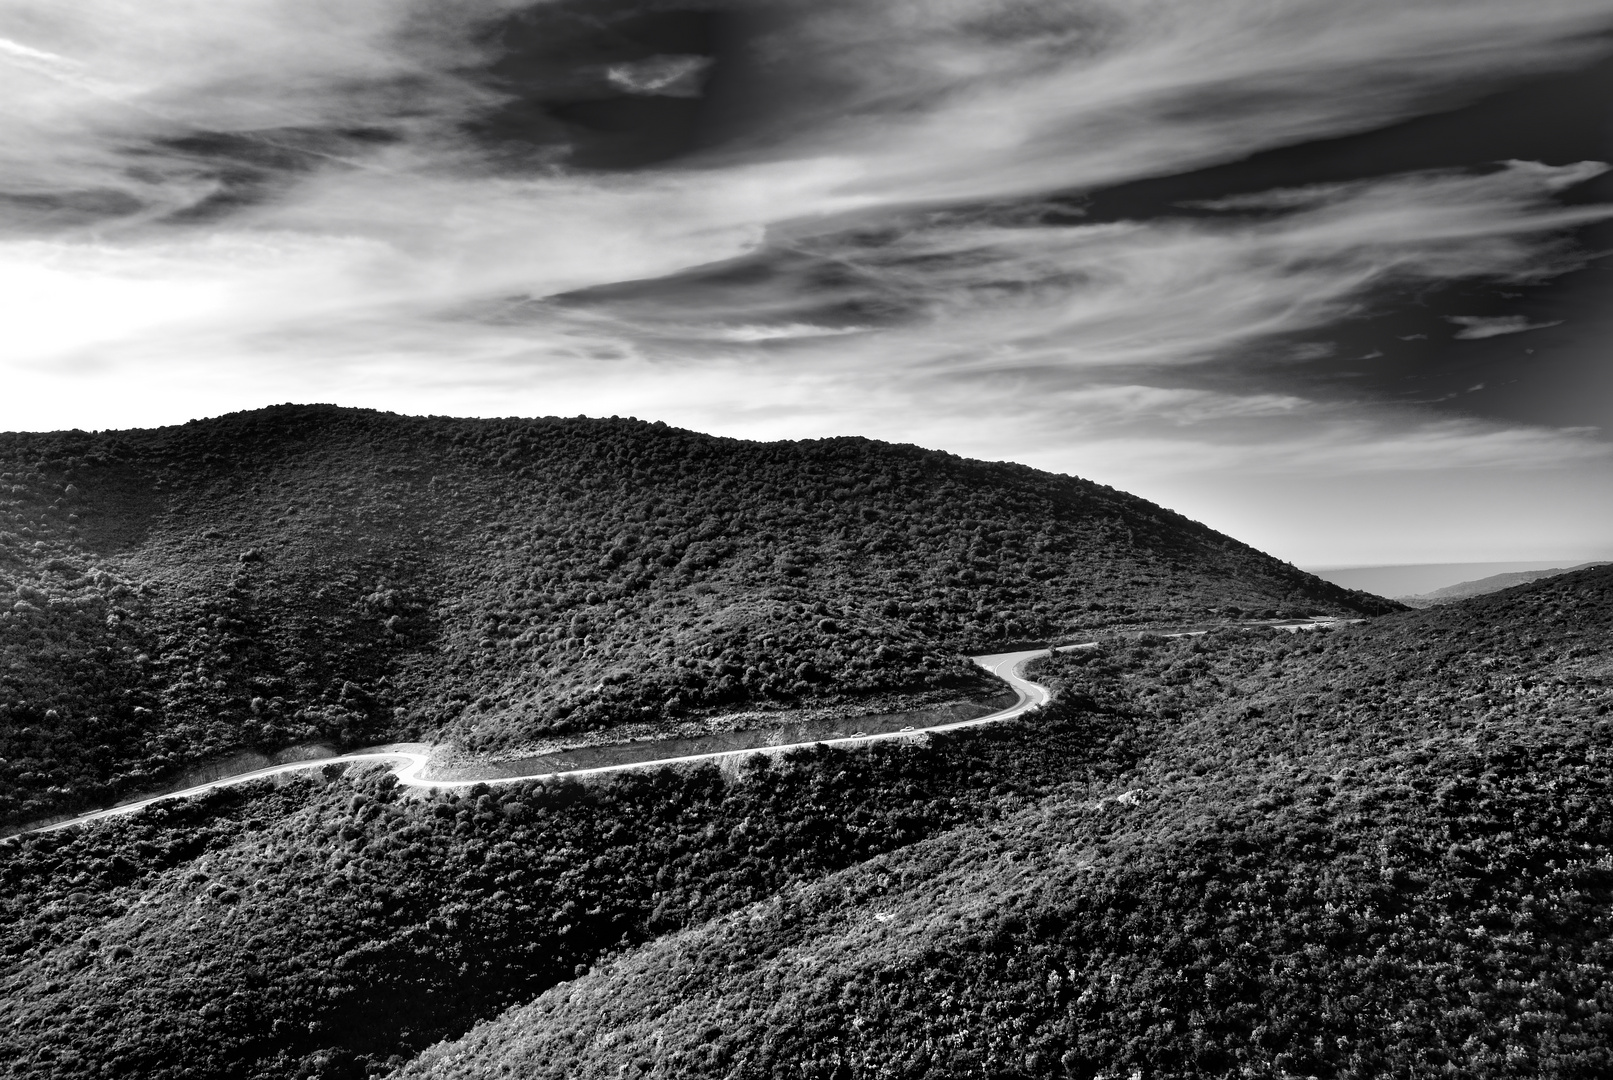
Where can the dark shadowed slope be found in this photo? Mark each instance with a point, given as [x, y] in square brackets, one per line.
[1223, 847]
[315, 573]
[1382, 850]
[325, 925]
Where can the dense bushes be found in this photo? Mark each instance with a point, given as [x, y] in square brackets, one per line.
[1381, 851]
[318, 574]
[322, 928]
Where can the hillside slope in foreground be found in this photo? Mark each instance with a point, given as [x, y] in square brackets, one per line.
[315, 574]
[1375, 851]
[1385, 850]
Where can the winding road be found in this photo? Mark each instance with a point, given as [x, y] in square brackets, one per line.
[412, 759]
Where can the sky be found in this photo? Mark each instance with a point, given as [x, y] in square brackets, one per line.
[1328, 275]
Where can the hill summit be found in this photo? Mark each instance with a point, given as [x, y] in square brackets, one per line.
[313, 573]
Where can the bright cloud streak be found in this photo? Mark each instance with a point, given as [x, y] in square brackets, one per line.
[1478, 327]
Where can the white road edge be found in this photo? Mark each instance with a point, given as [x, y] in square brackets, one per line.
[411, 763]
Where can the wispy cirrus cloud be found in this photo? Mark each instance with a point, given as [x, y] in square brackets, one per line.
[959, 291]
[973, 100]
[872, 221]
[1479, 327]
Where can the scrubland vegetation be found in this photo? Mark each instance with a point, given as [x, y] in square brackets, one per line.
[313, 574]
[1383, 850]
[316, 928]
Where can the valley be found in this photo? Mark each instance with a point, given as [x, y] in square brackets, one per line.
[1378, 847]
[307, 574]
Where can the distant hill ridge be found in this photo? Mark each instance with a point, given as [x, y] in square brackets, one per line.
[303, 573]
[1494, 583]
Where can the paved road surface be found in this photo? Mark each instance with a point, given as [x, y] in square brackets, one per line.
[412, 759]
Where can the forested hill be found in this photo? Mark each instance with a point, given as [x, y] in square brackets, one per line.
[1381, 850]
[314, 573]
[1378, 851]
[1494, 583]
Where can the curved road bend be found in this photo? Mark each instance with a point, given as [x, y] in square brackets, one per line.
[415, 756]
[412, 760]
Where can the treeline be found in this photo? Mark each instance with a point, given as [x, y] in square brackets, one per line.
[1385, 850]
[303, 574]
[335, 926]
